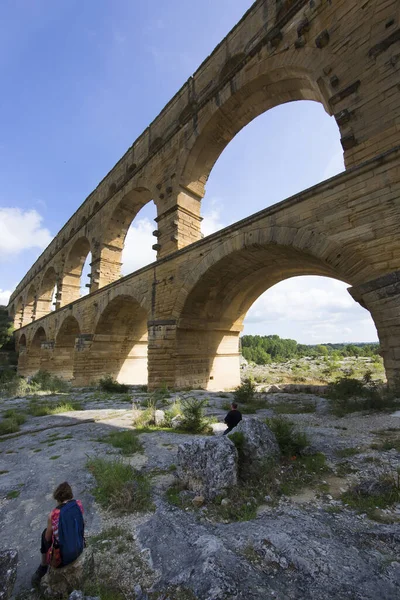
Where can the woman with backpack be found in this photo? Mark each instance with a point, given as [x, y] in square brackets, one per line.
[63, 539]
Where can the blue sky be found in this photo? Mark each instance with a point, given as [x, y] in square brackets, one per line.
[81, 80]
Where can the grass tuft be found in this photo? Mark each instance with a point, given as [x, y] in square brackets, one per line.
[126, 441]
[109, 384]
[291, 441]
[119, 486]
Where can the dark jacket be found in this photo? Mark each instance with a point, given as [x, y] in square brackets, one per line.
[233, 418]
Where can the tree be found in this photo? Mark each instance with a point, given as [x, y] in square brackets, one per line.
[6, 327]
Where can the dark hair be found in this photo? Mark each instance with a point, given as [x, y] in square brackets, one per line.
[234, 405]
[63, 492]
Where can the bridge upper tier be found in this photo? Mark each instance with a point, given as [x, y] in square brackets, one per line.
[342, 54]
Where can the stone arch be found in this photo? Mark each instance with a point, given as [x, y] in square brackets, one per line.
[22, 343]
[47, 291]
[71, 281]
[30, 306]
[116, 228]
[255, 90]
[35, 352]
[221, 290]
[119, 346]
[19, 313]
[65, 348]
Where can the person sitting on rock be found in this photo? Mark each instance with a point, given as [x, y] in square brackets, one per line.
[63, 539]
[233, 417]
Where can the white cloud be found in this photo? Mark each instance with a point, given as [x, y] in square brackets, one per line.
[21, 230]
[138, 250]
[4, 297]
[310, 310]
[212, 221]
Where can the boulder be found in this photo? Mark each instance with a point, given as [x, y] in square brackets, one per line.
[58, 584]
[208, 466]
[258, 443]
[177, 421]
[159, 417]
[8, 572]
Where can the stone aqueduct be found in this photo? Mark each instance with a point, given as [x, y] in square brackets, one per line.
[177, 321]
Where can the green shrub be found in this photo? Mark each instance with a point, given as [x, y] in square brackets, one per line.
[119, 486]
[11, 413]
[194, 420]
[46, 382]
[109, 384]
[366, 497]
[127, 441]
[349, 395]
[245, 392]
[44, 409]
[8, 426]
[291, 441]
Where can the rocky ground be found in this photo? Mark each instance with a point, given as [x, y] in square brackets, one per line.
[308, 545]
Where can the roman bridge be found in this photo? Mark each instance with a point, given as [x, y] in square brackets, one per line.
[177, 321]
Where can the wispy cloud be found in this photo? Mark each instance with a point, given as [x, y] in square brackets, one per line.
[21, 230]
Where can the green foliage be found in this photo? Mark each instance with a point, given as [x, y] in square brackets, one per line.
[44, 409]
[245, 392]
[366, 498]
[11, 413]
[119, 486]
[11, 385]
[13, 494]
[291, 441]
[8, 426]
[238, 439]
[127, 441]
[109, 384]
[264, 349]
[194, 420]
[6, 327]
[349, 395]
[345, 452]
[105, 590]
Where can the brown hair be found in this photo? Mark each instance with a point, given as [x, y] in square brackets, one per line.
[63, 492]
[234, 405]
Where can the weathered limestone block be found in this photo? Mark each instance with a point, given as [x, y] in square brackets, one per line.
[58, 584]
[259, 442]
[208, 466]
[8, 572]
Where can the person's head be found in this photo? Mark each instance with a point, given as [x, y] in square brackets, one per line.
[63, 492]
[234, 406]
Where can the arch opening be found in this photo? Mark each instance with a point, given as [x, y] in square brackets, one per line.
[29, 313]
[36, 352]
[86, 277]
[119, 346]
[212, 315]
[65, 349]
[72, 277]
[19, 313]
[122, 243]
[48, 295]
[280, 153]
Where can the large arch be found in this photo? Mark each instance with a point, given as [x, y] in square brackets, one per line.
[119, 347]
[268, 85]
[212, 312]
[35, 352]
[48, 289]
[115, 231]
[65, 348]
[30, 306]
[71, 282]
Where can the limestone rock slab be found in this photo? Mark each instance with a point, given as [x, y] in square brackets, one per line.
[208, 466]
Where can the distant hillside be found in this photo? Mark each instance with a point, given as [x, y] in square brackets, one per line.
[271, 348]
